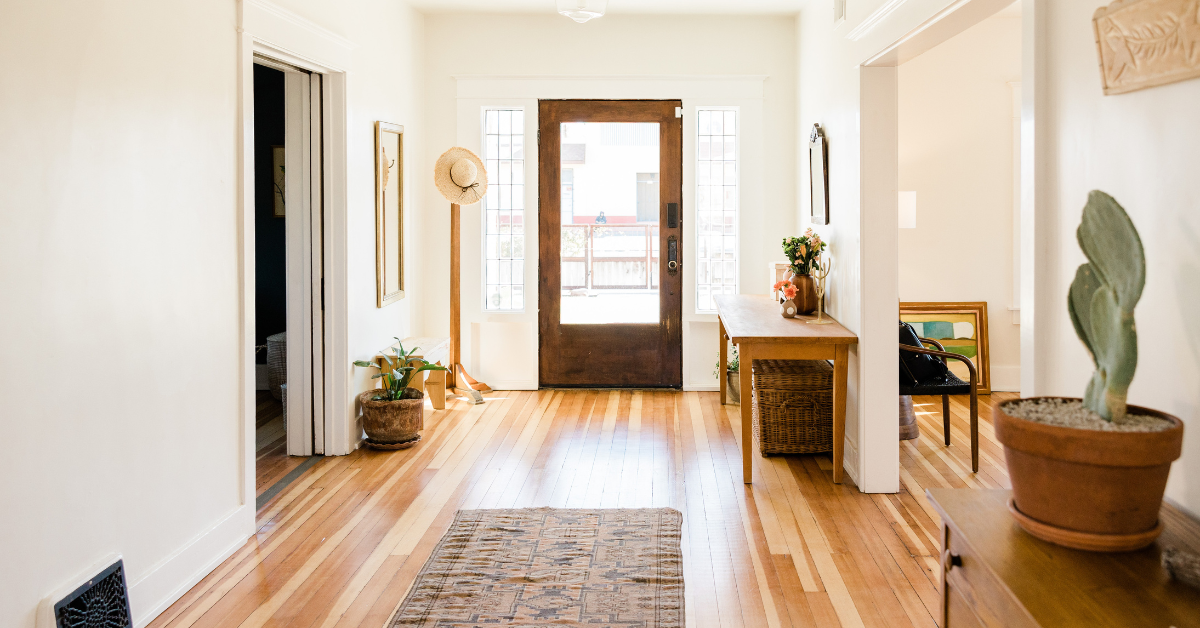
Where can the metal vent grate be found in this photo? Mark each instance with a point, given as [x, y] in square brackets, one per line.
[103, 602]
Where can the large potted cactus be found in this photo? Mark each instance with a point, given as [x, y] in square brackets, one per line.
[1090, 473]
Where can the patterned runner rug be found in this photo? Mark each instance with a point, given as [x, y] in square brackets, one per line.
[603, 568]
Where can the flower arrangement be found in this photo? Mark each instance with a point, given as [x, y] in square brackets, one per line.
[788, 288]
[804, 252]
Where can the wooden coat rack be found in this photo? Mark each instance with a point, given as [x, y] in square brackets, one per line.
[462, 381]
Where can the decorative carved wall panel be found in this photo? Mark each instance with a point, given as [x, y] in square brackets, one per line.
[1146, 43]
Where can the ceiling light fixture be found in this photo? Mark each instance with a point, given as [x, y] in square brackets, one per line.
[582, 10]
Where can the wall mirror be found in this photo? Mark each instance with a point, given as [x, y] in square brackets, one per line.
[389, 212]
[818, 169]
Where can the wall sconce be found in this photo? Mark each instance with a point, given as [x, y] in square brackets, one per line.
[908, 210]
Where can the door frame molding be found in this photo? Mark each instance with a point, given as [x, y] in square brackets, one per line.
[276, 33]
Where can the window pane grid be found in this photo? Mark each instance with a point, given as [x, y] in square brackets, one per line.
[716, 206]
[504, 210]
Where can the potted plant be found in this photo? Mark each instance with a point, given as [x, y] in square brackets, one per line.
[804, 253]
[1090, 473]
[393, 415]
[733, 383]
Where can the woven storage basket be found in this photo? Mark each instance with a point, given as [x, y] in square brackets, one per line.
[276, 363]
[793, 406]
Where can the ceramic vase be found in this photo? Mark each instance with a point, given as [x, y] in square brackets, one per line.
[787, 308]
[806, 295]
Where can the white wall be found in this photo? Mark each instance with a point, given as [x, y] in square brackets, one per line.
[1141, 148]
[531, 46]
[956, 152]
[120, 370]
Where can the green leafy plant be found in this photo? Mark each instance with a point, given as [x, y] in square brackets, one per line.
[804, 252]
[733, 362]
[395, 383]
[1102, 298]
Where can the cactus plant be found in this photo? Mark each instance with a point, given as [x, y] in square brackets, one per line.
[1102, 298]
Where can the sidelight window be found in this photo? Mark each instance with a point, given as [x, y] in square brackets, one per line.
[716, 205]
[504, 210]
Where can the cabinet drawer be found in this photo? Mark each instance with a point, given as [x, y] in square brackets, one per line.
[959, 613]
[989, 603]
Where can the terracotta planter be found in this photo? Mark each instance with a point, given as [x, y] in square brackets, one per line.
[806, 295]
[1087, 489]
[391, 423]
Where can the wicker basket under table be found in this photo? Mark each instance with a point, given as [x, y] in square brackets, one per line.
[793, 406]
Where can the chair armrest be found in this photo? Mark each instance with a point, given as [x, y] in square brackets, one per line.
[944, 355]
[930, 341]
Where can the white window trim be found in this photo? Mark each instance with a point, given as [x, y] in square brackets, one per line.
[737, 158]
[483, 259]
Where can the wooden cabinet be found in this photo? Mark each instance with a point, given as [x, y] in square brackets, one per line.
[994, 575]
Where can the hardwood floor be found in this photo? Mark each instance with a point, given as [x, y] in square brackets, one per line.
[272, 462]
[342, 544]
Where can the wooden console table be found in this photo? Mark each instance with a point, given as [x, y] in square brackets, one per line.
[996, 575]
[754, 325]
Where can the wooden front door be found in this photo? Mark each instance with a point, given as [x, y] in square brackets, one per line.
[610, 235]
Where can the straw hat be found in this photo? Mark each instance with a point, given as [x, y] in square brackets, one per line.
[460, 176]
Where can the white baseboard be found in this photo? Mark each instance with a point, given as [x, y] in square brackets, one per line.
[166, 582]
[850, 461]
[702, 387]
[513, 384]
[1006, 378]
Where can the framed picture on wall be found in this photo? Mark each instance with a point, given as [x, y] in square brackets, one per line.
[818, 176]
[389, 212]
[961, 328]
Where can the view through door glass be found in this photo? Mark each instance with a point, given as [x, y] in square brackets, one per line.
[610, 210]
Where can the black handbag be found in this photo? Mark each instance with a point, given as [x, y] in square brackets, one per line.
[916, 368]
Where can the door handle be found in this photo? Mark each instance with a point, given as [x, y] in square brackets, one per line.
[672, 255]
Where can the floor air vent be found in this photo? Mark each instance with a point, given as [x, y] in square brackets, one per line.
[102, 602]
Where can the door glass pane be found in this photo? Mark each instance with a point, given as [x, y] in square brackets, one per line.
[609, 253]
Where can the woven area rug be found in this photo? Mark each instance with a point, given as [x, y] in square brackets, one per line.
[618, 568]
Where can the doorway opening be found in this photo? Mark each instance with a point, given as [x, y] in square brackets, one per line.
[610, 232]
[959, 202]
[287, 249]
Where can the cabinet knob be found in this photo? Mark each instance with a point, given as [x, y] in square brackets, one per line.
[950, 561]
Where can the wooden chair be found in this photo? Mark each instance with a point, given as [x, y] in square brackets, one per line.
[946, 386]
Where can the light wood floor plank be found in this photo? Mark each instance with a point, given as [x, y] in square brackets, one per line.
[343, 544]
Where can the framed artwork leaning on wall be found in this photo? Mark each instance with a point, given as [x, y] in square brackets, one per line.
[961, 328]
[389, 213]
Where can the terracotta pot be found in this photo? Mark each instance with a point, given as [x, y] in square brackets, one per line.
[392, 422]
[1088, 489]
[806, 295]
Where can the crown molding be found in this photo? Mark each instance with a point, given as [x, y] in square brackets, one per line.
[293, 19]
[872, 20]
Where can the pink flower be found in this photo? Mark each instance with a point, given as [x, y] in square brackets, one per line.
[790, 291]
[780, 284]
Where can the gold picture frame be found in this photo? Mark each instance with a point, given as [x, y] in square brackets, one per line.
[389, 213]
[947, 323]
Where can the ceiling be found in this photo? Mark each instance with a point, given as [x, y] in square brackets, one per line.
[615, 7]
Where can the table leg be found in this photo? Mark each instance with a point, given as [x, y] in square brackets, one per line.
[841, 357]
[745, 360]
[722, 365]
